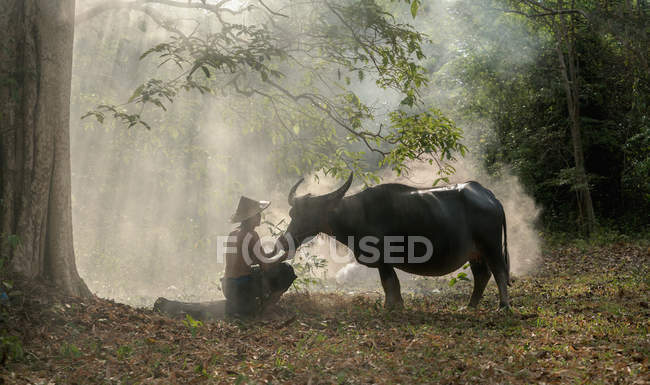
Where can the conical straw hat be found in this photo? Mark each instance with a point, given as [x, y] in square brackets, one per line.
[248, 207]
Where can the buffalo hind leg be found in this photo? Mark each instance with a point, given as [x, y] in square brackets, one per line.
[390, 282]
[482, 275]
[497, 265]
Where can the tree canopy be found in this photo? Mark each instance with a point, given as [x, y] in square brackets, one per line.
[304, 65]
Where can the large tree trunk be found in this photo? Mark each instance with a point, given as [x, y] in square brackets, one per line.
[36, 70]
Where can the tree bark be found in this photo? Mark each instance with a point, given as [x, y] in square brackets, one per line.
[35, 183]
[572, 91]
[564, 36]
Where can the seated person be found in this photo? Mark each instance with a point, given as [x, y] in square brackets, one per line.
[249, 289]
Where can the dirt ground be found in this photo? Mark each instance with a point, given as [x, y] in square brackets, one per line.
[584, 318]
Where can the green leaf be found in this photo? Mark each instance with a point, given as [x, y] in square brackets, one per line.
[414, 8]
[296, 128]
[136, 93]
[442, 179]
[98, 115]
[407, 101]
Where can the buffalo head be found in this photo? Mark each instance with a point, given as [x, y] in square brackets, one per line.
[309, 215]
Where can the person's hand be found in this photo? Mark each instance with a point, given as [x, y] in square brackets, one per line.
[276, 259]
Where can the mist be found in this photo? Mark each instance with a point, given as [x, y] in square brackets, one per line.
[149, 205]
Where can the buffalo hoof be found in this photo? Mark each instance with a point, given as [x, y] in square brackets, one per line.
[505, 310]
[394, 305]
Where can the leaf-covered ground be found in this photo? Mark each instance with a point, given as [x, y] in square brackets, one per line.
[583, 319]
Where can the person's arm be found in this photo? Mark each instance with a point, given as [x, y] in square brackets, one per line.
[230, 252]
[260, 256]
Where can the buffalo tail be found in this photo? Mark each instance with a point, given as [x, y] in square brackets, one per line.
[506, 256]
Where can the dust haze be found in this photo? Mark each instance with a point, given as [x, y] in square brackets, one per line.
[149, 205]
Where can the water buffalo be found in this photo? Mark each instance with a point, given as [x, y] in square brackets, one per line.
[462, 223]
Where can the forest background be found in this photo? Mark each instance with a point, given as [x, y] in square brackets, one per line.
[150, 200]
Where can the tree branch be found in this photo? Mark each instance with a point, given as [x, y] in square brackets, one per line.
[272, 12]
[217, 8]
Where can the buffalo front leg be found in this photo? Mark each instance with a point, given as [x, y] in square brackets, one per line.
[390, 282]
[482, 275]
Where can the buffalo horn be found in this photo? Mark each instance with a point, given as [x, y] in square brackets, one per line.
[338, 194]
[292, 192]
